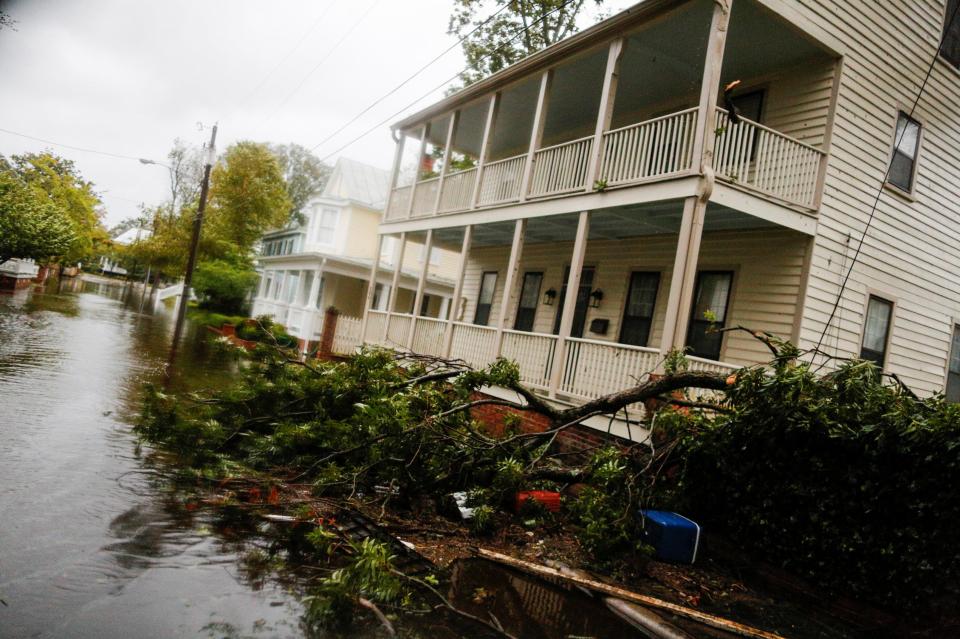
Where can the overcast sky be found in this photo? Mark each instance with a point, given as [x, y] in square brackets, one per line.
[129, 77]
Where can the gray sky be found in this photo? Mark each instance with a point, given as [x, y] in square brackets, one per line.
[127, 77]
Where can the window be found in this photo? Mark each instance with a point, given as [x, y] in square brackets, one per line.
[326, 225]
[527, 305]
[305, 285]
[290, 288]
[876, 330]
[485, 300]
[950, 49]
[750, 106]
[710, 304]
[380, 297]
[903, 163]
[638, 311]
[583, 301]
[387, 250]
[434, 254]
[424, 305]
[952, 390]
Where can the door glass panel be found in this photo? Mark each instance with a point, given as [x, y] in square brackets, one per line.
[583, 298]
[529, 297]
[712, 297]
[638, 311]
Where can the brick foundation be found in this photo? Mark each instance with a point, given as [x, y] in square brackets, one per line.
[8, 283]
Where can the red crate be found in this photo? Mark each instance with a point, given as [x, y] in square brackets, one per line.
[548, 498]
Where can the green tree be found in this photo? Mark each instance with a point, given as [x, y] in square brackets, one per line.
[524, 27]
[31, 226]
[304, 174]
[223, 285]
[59, 181]
[248, 195]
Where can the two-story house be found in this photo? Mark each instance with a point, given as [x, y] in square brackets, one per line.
[607, 208]
[325, 260]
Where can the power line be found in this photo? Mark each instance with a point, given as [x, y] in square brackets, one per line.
[386, 95]
[330, 52]
[445, 82]
[70, 146]
[886, 175]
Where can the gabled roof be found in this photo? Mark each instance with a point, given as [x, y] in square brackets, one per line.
[358, 182]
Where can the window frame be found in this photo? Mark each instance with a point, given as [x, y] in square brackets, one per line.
[948, 13]
[692, 320]
[626, 304]
[318, 226]
[882, 297]
[952, 342]
[536, 304]
[896, 188]
[488, 307]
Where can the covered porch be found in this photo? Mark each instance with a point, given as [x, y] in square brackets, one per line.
[589, 303]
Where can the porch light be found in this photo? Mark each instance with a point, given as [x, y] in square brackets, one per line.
[596, 296]
[549, 295]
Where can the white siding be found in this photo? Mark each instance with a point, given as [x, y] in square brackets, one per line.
[912, 253]
[767, 269]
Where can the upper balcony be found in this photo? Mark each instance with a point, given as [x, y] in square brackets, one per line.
[627, 104]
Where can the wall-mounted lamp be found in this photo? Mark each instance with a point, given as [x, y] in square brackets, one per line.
[596, 296]
[548, 296]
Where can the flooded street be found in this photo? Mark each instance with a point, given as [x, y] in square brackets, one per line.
[92, 544]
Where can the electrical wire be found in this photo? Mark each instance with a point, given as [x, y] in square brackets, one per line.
[70, 146]
[444, 83]
[886, 175]
[386, 95]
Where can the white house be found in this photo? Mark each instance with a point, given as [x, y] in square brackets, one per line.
[326, 261]
[126, 238]
[607, 210]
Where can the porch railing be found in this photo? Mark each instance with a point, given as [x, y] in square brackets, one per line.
[428, 336]
[458, 190]
[425, 197]
[561, 168]
[398, 329]
[767, 161]
[651, 149]
[593, 368]
[347, 338]
[473, 344]
[533, 353]
[398, 204]
[376, 323]
[500, 180]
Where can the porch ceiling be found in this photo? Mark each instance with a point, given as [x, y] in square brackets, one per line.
[659, 218]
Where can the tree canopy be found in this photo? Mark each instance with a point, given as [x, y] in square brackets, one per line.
[305, 175]
[522, 28]
[30, 225]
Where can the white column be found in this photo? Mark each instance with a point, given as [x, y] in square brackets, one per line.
[569, 302]
[485, 147]
[371, 288]
[421, 283]
[536, 132]
[605, 114]
[510, 281]
[416, 173]
[454, 119]
[683, 280]
[395, 284]
[310, 308]
[457, 289]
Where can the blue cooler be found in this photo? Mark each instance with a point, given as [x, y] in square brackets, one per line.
[674, 538]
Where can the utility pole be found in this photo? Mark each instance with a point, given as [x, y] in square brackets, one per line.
[192, 258]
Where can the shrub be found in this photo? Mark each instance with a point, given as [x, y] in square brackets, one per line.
[223, 286]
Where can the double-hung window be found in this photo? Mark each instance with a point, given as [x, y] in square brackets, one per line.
[527, 305]
[876, 330]
[488, 283]
[326, 226]
[953, 371]
[903, 162]
[638, 311]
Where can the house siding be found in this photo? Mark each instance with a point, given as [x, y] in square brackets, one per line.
[912, 252]
[767, 265]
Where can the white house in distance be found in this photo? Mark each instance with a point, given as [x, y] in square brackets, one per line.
[607, 210]
[327, 260]
[126, 238]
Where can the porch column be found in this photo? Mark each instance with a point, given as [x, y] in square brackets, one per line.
[310, 306]
[485, 147]
[454, 119]
[569, 302]
[605, 113]
[395, 283]
[509, 282]
[457, 289]
[416, 174]
[683, 280]
[371, 289]
[418, 299]
[394, 174]
[536, 133]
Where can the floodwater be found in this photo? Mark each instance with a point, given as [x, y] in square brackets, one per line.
[91, 542]
[95, 540]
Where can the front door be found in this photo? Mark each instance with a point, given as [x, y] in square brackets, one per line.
[583, 300]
